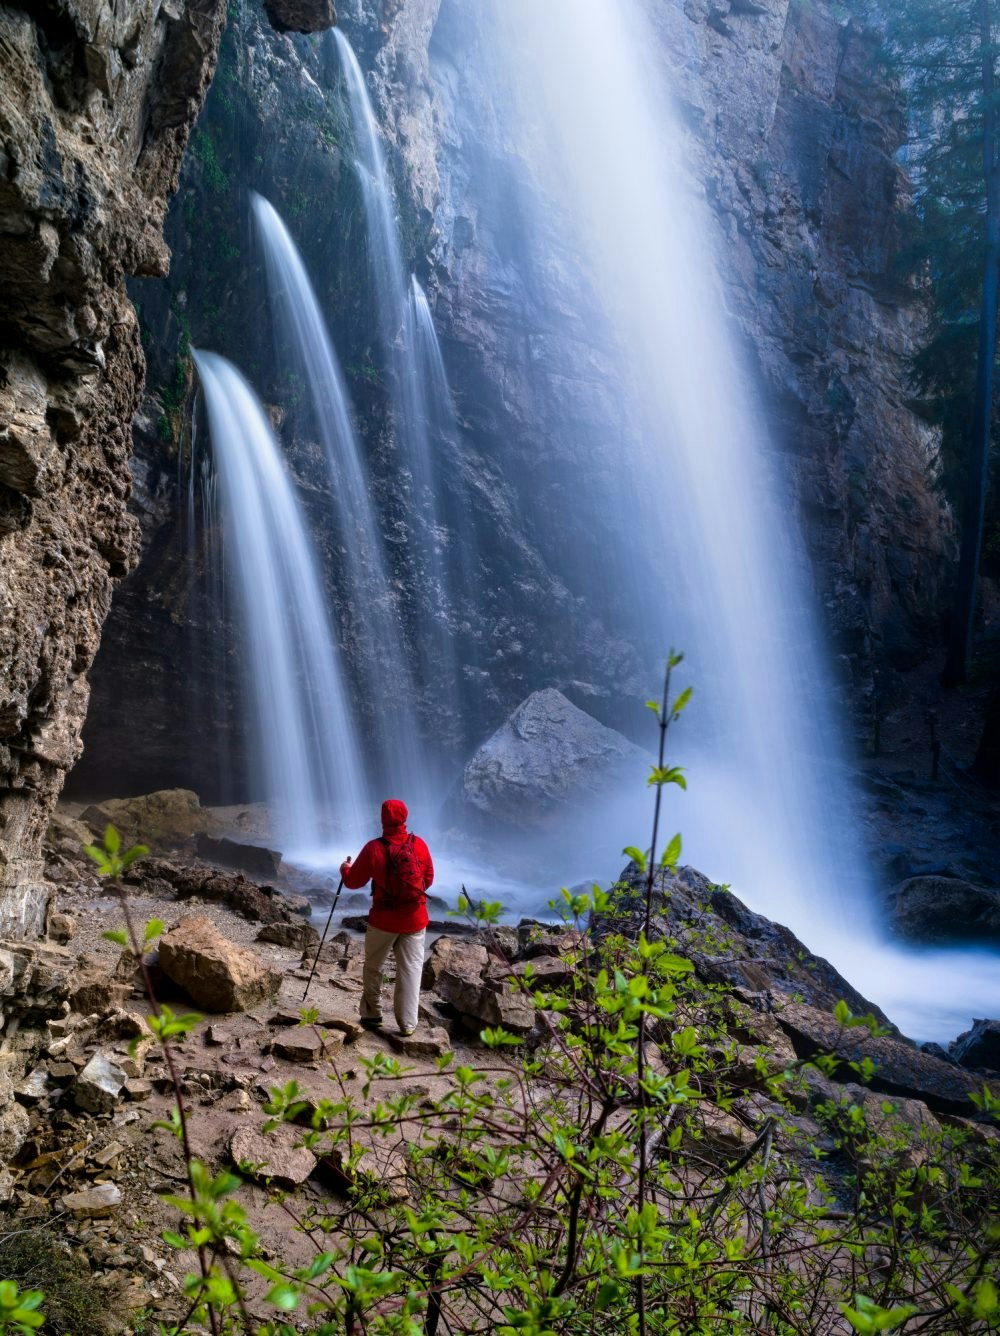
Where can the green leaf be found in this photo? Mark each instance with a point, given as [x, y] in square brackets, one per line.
[112, 840]
[681, 701]
[153, 929]
[672, 853]
[842, 1012]
[636, 855]
[116, 935]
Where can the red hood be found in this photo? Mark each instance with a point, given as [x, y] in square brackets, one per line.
[394, 814]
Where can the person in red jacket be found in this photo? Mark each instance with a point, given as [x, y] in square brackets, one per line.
[400, 869]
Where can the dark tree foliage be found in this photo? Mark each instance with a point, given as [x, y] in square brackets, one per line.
[944, 53]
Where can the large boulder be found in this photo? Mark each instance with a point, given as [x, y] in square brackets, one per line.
[216, 974]
[169, 816]
[945, 909]
[254, 859]
[900, 1067]
[728, 942]
[260, 904]
[547, 755]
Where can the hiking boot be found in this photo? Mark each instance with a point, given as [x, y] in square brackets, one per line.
[371, 1022]
[406, 1031]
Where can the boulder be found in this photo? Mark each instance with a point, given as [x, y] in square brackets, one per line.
[254, 859]
[467, 958]
[945, 909]
[215, 973]
[300, 15]
[169, 816]
[729, 943]
[296, 936]
[547, 755]
[274, 1158]
[258, 903]
[487, 1001]
[97, 1088]
[901, 1068]
[980, 1046]
[61, 927]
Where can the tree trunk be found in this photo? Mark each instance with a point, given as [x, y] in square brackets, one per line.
[973, 512]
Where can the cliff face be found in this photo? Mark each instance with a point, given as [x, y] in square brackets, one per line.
[794, 140]
[96, 102]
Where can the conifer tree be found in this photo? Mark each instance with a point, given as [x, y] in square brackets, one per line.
[945, 55]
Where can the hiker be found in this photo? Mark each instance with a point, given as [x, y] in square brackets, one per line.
[400, 869]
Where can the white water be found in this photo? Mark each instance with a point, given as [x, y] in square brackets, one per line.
[417, 398]
[769, 809]
[306, 751]
[366, 600]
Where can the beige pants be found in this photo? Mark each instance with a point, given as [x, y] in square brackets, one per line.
[408, 950]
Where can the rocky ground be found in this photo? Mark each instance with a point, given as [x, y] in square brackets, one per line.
[88, 1169]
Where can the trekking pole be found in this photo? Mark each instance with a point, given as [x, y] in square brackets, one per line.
[319, 950]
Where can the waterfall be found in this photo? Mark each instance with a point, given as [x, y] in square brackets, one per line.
[306, 753]
[417, 399]
[701, 501]
[365, 599]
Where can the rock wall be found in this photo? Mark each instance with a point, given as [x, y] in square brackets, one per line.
[795, 138]
[96, 102]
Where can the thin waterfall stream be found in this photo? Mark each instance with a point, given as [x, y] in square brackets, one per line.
[306, 750]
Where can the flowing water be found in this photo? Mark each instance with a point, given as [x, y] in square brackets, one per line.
[702, 501]
[365, 599]
[417, 400]
[306, 752]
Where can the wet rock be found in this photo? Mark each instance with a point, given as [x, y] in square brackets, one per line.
[274, 1157]
[216, 974]
[93, 1203]
[945, 909]
[98, 1086]
[169, 816]
[300, 15]
[901, 1068]
[979, 1047]
[549, 754]
[466, 958]
[254, 859]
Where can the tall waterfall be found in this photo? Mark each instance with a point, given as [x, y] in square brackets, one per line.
[416, 399]
[306, 751]
[366, 602]
[770, 808]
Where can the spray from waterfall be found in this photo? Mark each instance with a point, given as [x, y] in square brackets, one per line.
[305, 751]
[366, 602]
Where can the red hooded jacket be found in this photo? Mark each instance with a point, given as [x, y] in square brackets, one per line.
[370, 865]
